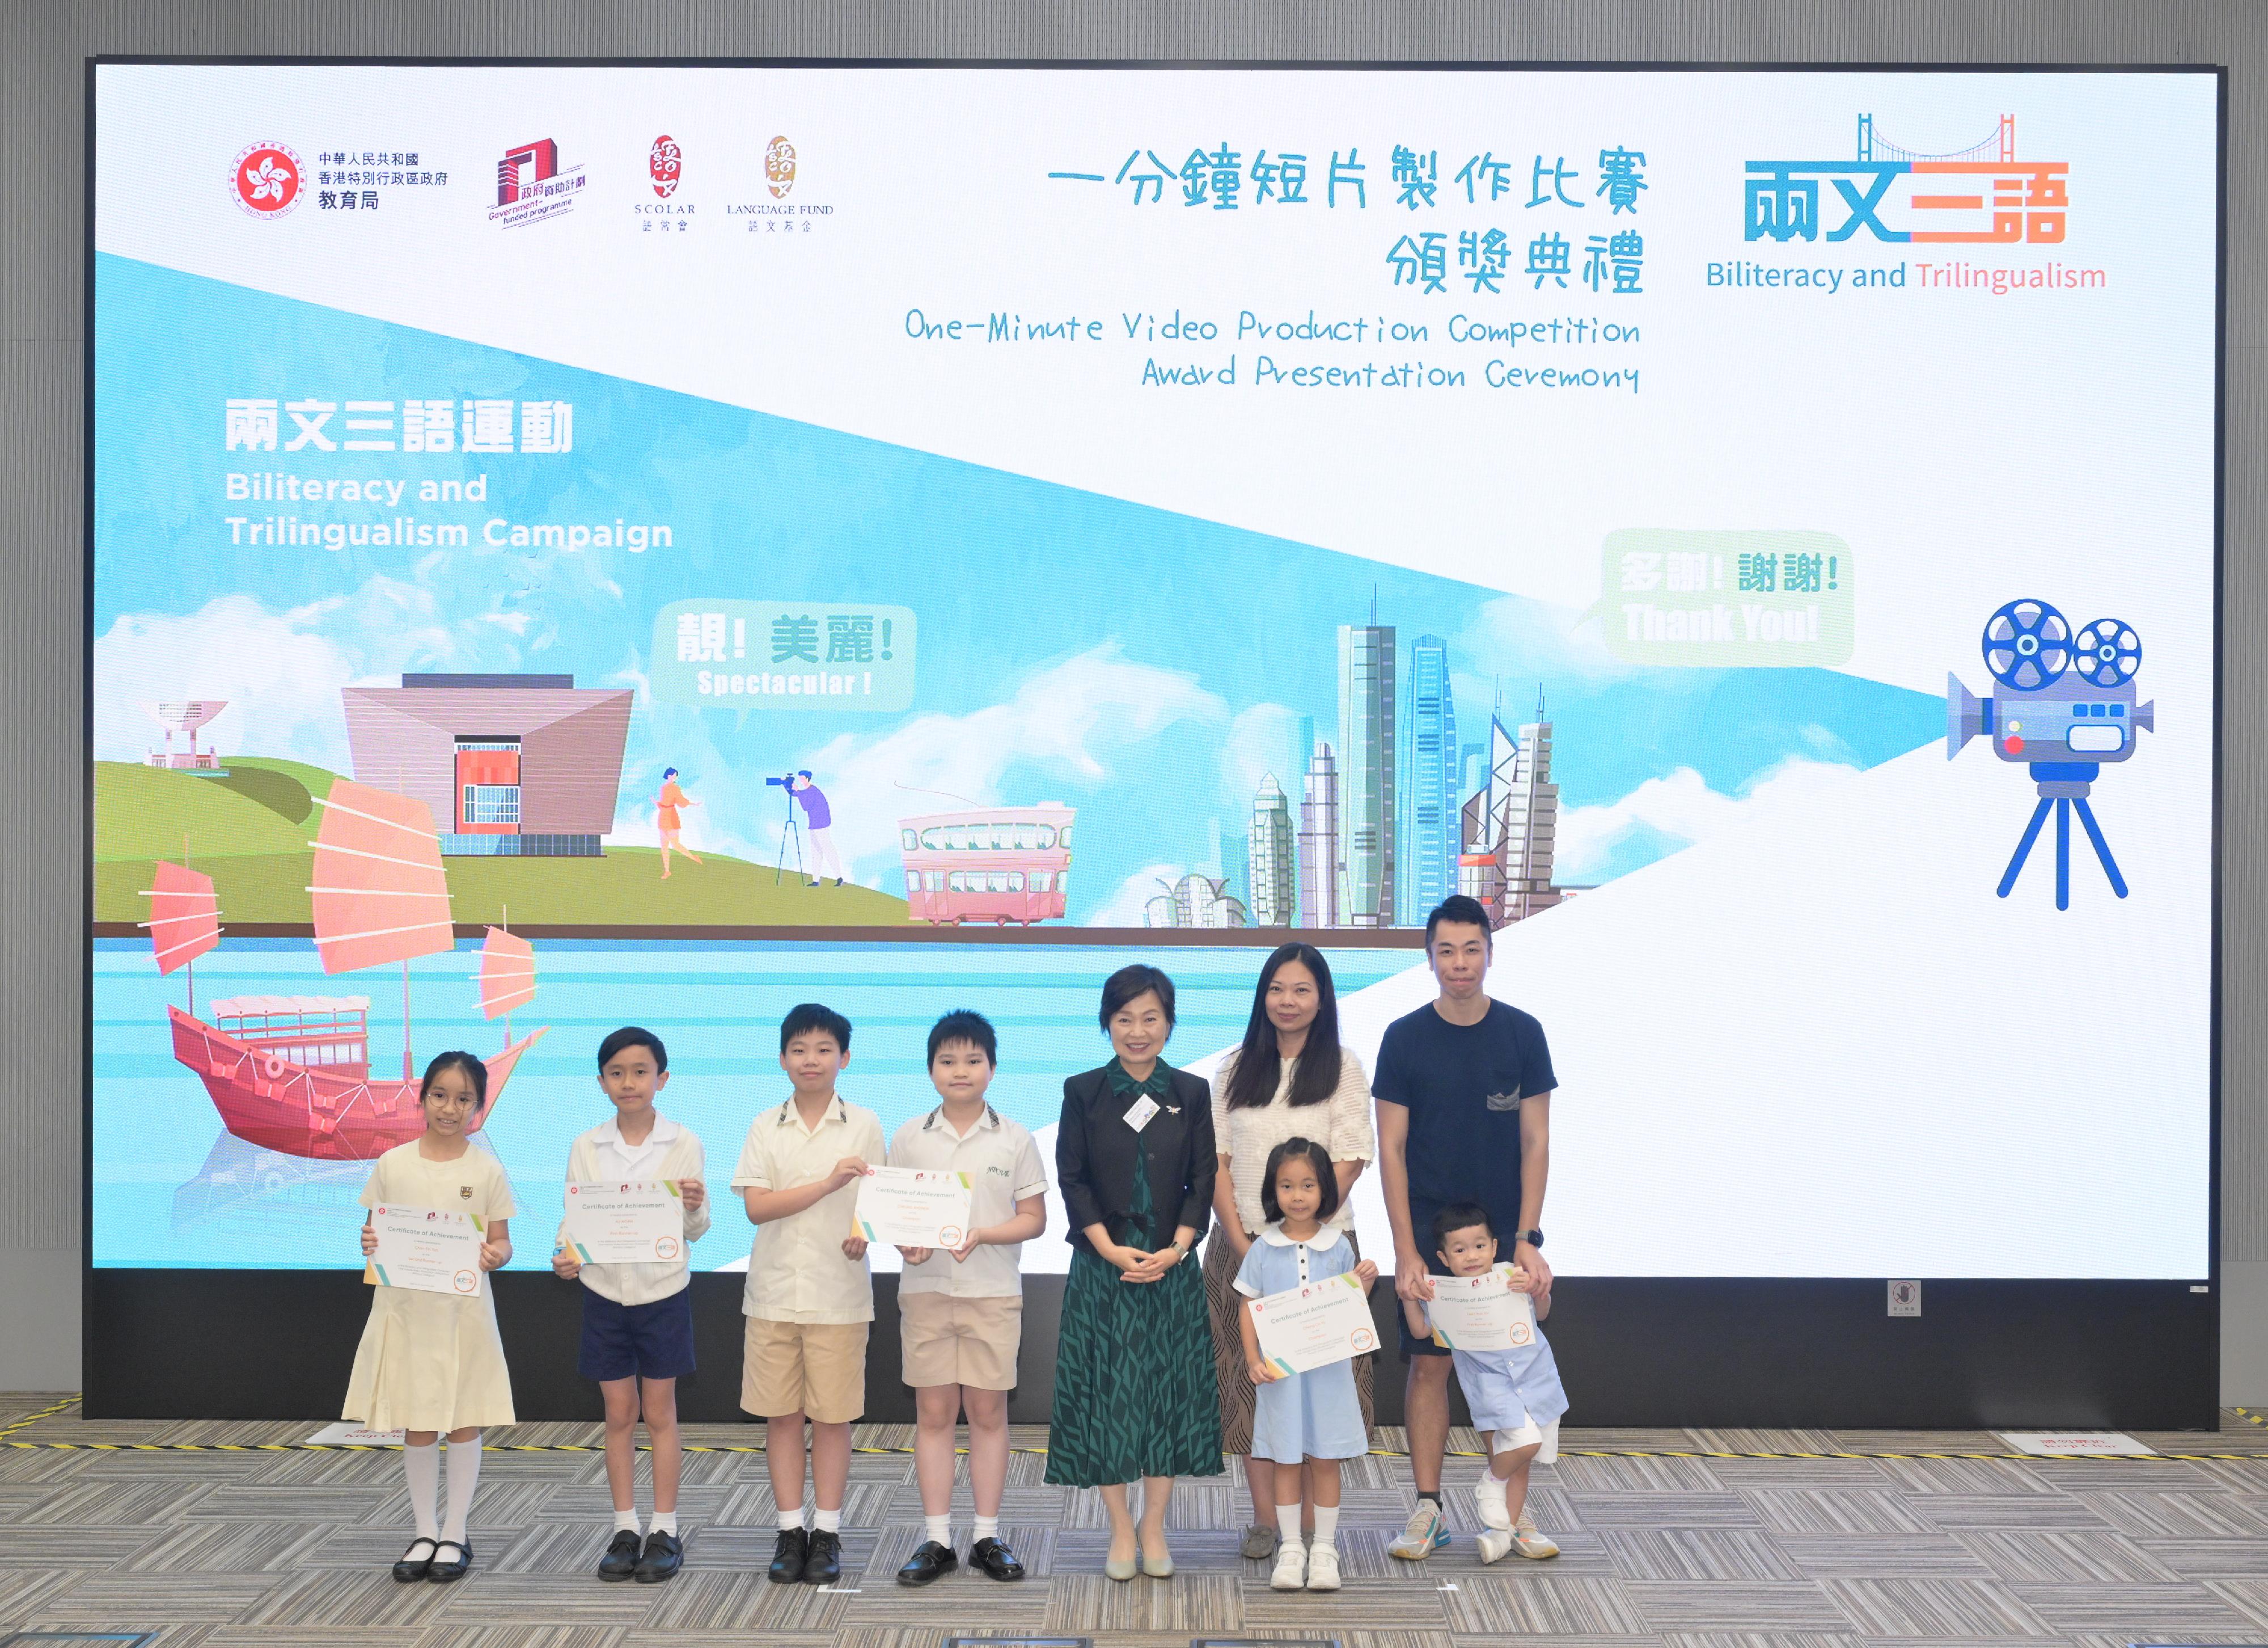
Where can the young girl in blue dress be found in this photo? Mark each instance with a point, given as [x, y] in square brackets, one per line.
[1312, 1418]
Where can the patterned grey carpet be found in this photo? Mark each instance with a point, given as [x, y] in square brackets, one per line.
[216, 1548]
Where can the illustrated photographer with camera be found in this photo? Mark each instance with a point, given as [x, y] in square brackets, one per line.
[818, 820]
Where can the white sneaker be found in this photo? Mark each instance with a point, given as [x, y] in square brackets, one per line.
[1324, 1568]
[1428, 1532]
[1490, 1499]
[1291, 1567]
[1495, 1544]
[1529, 1541]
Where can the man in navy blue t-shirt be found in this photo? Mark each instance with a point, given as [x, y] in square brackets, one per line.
[1464, 1114]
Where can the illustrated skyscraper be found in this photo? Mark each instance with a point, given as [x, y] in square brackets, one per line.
[1320, 876]
[1428, 867]
[1272, 865]
[1367, 820]
[1510, 825]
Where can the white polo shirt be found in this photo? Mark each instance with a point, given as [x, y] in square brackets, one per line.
[796, 1270]
[671, 1150]
[1003, 1166]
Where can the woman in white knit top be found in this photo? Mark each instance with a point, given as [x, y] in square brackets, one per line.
[1291, 1078]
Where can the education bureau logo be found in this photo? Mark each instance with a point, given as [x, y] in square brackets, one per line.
[266, 179]
[531, 186]
[1890, 194]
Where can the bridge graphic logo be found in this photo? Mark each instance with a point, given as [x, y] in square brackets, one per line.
[1980, 195]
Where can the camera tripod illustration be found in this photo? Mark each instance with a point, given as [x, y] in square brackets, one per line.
[2069, 706]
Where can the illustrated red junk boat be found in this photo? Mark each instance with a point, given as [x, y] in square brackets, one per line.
[291, 1073]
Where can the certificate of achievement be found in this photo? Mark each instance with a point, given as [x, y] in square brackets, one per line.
[1481, 1312]
[641, 1221]
[430, 1249]
[914, 1207]
[1312, 1327]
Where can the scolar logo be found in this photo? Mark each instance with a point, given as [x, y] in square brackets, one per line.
[266, 179]
[664, 162]
[1900, 194]
[779, 167]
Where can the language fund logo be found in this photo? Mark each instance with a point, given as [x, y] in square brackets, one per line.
[779, 167]
[266, 179]
[1979, 196]
[531, 186]
[664, 163]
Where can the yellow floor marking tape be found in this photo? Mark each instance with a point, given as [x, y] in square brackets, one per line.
[9, 1439]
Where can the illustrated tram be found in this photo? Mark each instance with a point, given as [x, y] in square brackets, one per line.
[1006, 865]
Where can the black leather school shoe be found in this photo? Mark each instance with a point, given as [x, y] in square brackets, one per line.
[995, 1561]
[824, 1565]
[665, 1555]
[788, 1555]
[621, 1558]
[412, 1566]
[930, 1563]
[456, 1568]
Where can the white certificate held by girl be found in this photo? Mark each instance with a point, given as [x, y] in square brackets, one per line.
[1303, 1328]
[914, 1207]
[640, 1222]
[430, 1250]
[1481, 1312]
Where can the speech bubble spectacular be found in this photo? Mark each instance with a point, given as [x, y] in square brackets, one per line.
[774, 655]
[1747, 600]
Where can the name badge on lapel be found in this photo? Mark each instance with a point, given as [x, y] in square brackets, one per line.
[1138, 1114]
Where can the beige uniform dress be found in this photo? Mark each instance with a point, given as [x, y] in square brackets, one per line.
[432, 1361]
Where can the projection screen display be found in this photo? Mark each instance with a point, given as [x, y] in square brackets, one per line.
[585, 546]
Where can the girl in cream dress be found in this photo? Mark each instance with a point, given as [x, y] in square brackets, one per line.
[431, 1363]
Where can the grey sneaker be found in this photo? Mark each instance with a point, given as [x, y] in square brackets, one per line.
[1259, 1542]
[1426, 1531]
[1529, 1541]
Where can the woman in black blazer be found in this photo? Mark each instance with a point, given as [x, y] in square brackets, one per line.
[1135, 1389]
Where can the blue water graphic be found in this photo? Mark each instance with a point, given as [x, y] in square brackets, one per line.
[171, 1188]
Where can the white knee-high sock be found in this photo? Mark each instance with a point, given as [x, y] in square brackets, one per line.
[1326, 1526]
[464, 1476]
[423, 1466]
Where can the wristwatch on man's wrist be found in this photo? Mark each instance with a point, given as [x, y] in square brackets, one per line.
[1533, 1238]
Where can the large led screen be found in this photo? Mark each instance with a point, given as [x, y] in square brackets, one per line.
[1754, 532]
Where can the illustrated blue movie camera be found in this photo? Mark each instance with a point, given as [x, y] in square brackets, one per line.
[2068, 706]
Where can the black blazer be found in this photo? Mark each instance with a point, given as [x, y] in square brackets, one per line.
[1095, 1158]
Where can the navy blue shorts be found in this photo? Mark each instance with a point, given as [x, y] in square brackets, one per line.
[642, 1341]
[1421, 1221]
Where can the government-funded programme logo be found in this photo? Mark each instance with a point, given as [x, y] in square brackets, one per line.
[266, 179]
[1982, 194]
[531, 186]
[664, 162]
[779, 166]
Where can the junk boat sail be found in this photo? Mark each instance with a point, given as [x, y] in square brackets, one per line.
[291, 1073]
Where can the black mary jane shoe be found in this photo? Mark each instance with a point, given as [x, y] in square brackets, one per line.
[930, 1563]
[621, 1558]
[788, 1553]
[995, 1561]
[457, 1568]
[824, 1565]
[412, 1567]
[665, 1555]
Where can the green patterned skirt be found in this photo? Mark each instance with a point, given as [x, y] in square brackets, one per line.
[1135, 1391]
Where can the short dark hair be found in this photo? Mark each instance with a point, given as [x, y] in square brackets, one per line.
[1131, 983]
[961, 1024]
[475, 1072]
[1326, 1181]
[806, 1016]
[669, 772]
[630, 1036]
[1463, 910]
[1457, 1216]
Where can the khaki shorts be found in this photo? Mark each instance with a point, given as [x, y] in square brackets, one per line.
[950, 1341]
[817, 1369]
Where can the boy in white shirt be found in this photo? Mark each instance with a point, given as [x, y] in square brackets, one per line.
[962, 1308]
[638, 1319]
[808, 1298]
